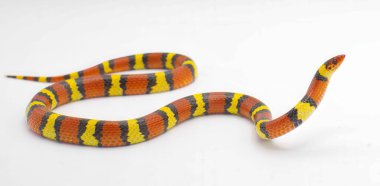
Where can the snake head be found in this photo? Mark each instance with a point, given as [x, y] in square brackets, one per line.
[330, 66]
[333, 63]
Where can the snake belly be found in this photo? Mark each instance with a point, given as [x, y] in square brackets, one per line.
[181, 71]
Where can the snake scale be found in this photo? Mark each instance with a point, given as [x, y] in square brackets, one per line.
[181, 71]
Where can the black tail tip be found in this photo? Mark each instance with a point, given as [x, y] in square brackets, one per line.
[10, 76]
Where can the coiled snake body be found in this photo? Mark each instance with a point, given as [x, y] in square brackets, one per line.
[94, 82]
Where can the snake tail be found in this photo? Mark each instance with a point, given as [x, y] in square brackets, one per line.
[169, 61]
[181, 71]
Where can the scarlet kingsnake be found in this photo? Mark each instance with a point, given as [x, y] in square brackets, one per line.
[181, 71]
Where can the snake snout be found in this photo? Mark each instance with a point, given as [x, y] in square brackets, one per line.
[339, 59]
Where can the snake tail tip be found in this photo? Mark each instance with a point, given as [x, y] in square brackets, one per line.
[10, 76]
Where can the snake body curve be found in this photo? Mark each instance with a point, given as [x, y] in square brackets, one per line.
[181, 71]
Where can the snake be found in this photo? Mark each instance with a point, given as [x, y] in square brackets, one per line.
[179, 71]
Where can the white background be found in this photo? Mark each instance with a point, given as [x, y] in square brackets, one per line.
[267, 49]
